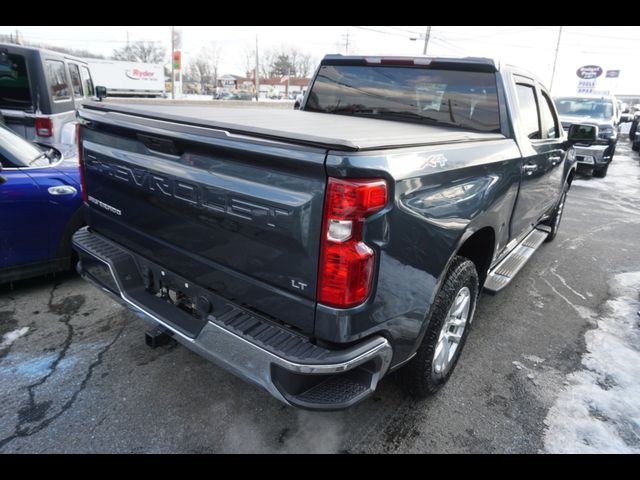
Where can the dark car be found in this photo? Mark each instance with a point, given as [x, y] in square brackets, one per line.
[40, 202]
[635, 145]
[40, 91]
[634, 127]
[599, 111]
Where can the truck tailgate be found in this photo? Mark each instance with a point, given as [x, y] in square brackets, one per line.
[237, 215]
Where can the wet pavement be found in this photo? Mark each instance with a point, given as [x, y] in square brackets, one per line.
[76, 376]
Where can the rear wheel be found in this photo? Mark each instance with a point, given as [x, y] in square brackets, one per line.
[636, 146]
[446, 333]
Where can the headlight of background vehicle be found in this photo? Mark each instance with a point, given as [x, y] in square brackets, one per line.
[606, 133]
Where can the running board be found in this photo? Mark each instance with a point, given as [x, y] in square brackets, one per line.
[501, 275]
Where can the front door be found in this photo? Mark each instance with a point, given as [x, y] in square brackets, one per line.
[24, 233]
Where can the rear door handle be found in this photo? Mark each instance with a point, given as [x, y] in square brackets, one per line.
[529, 169]
[555, 159]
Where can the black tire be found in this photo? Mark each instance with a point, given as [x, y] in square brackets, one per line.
[556, 218]
[636, 146]
[611, 151]
[418, 377]
[601, 172]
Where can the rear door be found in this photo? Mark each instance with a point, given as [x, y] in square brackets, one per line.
[239, 216]
[539, 161]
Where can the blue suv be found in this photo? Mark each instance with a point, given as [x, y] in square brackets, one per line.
[40, 206]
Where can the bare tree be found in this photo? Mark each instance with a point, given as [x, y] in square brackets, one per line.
[213, 55]
[285, 60]
[304, 65]
[141, 51]
[277, 61]
[247, 61]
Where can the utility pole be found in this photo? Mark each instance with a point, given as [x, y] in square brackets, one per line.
[257, 74]
[173, 75]
[555, 60]
[346, 43]
[426, 40]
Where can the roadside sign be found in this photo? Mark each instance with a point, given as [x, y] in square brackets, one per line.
[586, 86]
[177, 39]
[589, 72]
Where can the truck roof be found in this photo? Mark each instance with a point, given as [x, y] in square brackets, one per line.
[15, 48]
[482, 63]
[338, 132]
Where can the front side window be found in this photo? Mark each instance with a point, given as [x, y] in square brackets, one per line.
[57, 79]
[463, 99]
[549, 121]
[76, 82]
[529, 117]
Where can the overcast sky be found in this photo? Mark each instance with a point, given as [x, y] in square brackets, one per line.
[533, 48]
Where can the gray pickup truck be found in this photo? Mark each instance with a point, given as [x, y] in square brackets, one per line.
[313, 252]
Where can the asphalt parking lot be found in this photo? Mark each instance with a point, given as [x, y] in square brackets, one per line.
[80, 379]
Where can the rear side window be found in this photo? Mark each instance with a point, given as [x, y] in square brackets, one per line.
[529, 117]
[76, 82]
[57, 79]
[14, 82]
[87, 82]
[463, 99]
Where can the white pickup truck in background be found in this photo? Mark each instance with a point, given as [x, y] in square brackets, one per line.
[128, 79]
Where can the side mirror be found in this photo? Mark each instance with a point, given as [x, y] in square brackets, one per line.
[101, 92]
[582, 133]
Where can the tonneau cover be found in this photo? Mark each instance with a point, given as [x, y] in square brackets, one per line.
[340, 132]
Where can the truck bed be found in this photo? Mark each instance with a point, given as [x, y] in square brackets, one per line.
[338, 132]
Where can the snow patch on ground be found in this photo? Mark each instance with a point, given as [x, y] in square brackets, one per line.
[599, 410]
[10, 337]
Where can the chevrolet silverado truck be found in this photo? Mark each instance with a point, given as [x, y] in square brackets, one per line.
[314, 251]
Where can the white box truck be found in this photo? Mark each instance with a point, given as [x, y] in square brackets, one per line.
[128, 79]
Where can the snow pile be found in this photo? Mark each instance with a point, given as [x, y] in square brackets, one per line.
[9, 338]
[599, 411]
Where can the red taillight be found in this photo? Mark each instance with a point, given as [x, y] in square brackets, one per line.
[83, 181]
[44, 127]
[346, 262]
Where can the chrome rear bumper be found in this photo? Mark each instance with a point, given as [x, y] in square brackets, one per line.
[266, 354]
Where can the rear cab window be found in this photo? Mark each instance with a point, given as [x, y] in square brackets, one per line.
[15, 91]
[57, 79]
[455, 98]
